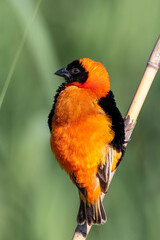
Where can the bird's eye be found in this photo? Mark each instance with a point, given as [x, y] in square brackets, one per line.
[75, 71]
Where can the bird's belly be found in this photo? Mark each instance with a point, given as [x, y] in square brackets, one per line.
[83, 145]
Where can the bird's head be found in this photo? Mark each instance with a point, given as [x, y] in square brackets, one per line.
[88, 74]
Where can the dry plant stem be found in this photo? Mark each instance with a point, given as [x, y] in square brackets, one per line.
[152, 67]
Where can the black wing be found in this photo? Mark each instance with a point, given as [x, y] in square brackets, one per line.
[50, 116]
[108, 105]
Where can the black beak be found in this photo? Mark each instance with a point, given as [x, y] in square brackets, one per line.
[63, 72]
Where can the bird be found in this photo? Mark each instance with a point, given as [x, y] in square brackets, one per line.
[87, 134]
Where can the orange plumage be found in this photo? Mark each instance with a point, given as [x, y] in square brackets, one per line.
[82, 133]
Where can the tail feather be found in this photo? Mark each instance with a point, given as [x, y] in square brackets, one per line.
[81, 213]
[103, 214]
[92, 213]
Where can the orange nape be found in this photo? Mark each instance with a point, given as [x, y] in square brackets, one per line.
[98, 77]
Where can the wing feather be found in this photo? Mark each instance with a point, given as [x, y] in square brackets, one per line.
[104, 171]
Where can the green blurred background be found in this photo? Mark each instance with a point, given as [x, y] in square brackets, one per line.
[37, 199]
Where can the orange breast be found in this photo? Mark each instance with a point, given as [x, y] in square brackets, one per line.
[80, 136]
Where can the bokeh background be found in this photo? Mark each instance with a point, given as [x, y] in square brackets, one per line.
[37, 199]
